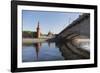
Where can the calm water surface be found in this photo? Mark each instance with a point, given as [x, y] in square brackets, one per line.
[50, 52]
[41, 52]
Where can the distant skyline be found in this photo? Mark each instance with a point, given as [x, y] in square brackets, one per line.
[49, 21]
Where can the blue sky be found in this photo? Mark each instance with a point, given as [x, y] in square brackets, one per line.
[49, 21]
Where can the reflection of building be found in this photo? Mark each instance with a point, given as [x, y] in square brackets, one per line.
[37, 47]
[38, 31]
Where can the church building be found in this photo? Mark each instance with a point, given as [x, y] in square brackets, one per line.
[39, 34]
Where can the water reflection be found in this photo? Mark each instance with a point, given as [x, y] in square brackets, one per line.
[71, 52]
[46, 51]
[51, 51]
[37, 48]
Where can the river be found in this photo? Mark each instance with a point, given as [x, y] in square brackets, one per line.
[48, 51]
[41, 52]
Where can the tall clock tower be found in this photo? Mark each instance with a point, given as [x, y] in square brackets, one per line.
[38, 31]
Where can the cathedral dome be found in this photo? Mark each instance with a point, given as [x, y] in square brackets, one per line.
[50, 33]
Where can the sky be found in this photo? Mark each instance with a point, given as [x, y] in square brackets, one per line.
[54, 22]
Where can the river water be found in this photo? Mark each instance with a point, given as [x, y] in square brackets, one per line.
[41, 52]
[48, 51]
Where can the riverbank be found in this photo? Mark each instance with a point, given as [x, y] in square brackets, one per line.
[34, 40]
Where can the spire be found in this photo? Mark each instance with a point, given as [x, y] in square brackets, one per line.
[38, 25]
[38, 30]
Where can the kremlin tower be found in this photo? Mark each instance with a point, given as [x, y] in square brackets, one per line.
[38, 31]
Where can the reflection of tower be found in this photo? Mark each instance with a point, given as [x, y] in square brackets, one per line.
[49, 44]
[38, 31]
[37, 47]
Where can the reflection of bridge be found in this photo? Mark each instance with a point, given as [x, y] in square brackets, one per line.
[80, 26]
[78, 29]
[71, 52]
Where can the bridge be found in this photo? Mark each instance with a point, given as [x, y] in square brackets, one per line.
[70, 39]
[79, 27]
